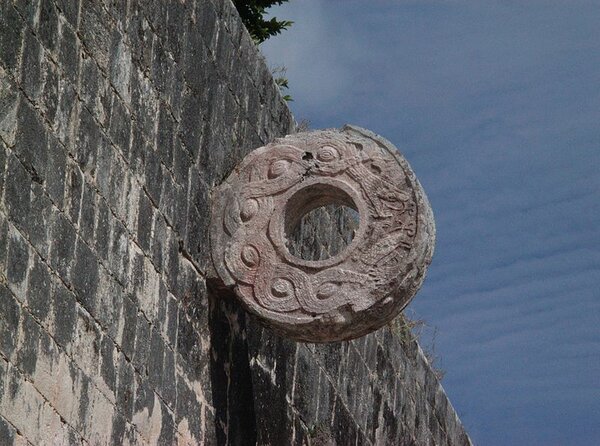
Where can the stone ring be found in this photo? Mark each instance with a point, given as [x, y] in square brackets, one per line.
[350, 293]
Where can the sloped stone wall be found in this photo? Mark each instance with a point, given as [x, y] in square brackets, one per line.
[116, 120]
[376, 390]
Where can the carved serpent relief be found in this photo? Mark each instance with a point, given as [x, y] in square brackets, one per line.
[346, 295]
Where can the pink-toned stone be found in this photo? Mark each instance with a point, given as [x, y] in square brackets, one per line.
[344, 296]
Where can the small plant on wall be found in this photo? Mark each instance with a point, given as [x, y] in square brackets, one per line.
[279, 74]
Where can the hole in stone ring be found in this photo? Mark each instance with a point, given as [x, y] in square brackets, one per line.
[320, 222]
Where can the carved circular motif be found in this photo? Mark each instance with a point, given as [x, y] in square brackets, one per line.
[353, 292]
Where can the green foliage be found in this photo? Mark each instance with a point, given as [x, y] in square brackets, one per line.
[281, 81]
[252, 13]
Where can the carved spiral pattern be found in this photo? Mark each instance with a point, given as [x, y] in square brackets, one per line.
[353, 292]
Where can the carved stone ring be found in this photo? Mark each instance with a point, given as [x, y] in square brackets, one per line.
[353, 292]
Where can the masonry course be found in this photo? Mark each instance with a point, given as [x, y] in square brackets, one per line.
[116, 121]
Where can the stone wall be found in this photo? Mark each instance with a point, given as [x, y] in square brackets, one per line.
[116, 120]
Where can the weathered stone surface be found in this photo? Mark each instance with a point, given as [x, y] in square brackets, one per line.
[346, 295]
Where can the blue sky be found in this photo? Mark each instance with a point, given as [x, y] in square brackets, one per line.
[496, 105]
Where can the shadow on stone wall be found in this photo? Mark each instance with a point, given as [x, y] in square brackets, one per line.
[233, 398]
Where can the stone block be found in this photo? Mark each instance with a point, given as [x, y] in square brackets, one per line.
[191, 124]
[306, 376]
[165, 136]
[9, 322]
[159, 240]
[194, 72]
[208, 21]
[47, 29]
[84, 275]
[55, 173]
[62, 249]
[103, 227]
[167, 431]
[87, 213]
[74, 182]
[26, 410]
[180, 212]
[172, 256]
[16, 270]
[187, 405]
[134, 287]
[162, 68]
[118, 429]
[108, 303]
[177, 92]
[138, 150]
[168, 196]
[147, 414]
[142, 344]
[118, 258]
[9, 100]
[182, 164]
[153, 175]
[145, 218]
[225, 54]
[187, 340]
[36, 226]
[119, 186]
[125, 390]
[140, 36]
[39, 289]
[172, 318]
[156, 355]
[325, 392]
[128, 201]
[144, 104]
[95, 32]
[108, 363]
[212, 153]
[30, 146]
[120, 66]
[34, 67]
[10, 38]
[197, 236]
[177, 15]
[344, 429]
[28, 345]
[89, 138]
[129, 318]
[67, 115]
[8, 433]
[3, 244]
[102, 171]
[69, 51]
[120, 126]
[168, 388]
[64, 315]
